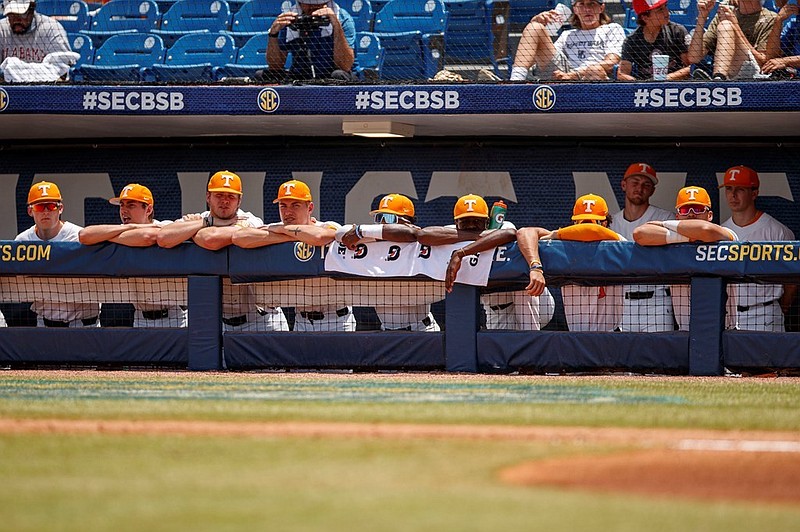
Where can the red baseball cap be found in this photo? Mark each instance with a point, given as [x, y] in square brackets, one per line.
[643, 6]
[740, 176]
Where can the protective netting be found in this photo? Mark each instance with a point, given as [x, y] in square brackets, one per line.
[207, 41]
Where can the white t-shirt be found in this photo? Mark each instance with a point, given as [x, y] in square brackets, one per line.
[246, 219]
[764, 228]
[625, 228]
[68, 233]
[582, 47]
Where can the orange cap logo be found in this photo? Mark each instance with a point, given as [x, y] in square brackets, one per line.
[225, 181]
[590, 207]
[293, 189]
[740, 176]
[43, 191]
[642, 169]
[135, 192]
[693, 196]
[395, 204]
[470, 205]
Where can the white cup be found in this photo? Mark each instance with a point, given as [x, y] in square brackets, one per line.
[562, 16]
[660, 67]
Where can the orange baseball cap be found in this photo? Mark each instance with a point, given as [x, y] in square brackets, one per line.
[225, 181]
[693, 196]
[135, 192]
[470, 205]
[590, 207]
[740, 176]
[395, 204]
[43, 191]
[293, 189]
[642, 169]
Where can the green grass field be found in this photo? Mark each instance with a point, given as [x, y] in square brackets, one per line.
[55, 480]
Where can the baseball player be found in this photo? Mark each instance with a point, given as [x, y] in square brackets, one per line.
[45, 206]
[138, 229]
[394, 222]
[214, 229]
[760, 307]
[295, 206]
[645, 308]
[504, 310]
[692, 224]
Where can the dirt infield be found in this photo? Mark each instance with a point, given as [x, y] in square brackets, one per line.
[749, 466]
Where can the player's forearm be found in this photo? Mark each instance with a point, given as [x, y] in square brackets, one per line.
[173, 234]
[528, 242]
[650, 235]
[440, 236]
[400, 233]
[697, 49]
[276, 58]
[310, 234]
[140, 238]
[703, 231]
[490, 240]
[214, 238]
[343, 55]
[95, 234]
[249, 238]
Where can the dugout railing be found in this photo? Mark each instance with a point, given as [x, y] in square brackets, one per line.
[706, 349]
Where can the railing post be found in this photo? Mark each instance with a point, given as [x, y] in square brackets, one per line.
[460, 340]
[205, 323]
[706, 325]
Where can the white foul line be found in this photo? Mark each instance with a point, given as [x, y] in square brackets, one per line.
[750, 446]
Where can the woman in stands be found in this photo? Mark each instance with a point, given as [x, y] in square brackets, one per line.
[587, 52]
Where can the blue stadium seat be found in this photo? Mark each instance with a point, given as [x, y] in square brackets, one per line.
[193, 58]
[123, 16]
[193, 16]
[412, 35]
[471, 33]
[522, 11]
[251, 58]
[122, 57]
[72, 14]
[361, 11]
[369, 56]
[81, 44]
[256, 16]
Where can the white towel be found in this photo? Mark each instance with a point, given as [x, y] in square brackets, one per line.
[52, 68]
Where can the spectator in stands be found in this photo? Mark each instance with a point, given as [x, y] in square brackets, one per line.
[320, 50]
[586, 308]
[588, 52]
[646, 308]
[214, 229]
[737, 38]
[760, 307]
[295, 206]
[394, 222]
[656, 35]
[507, 310]
[692, 224]
[138, 229]
[29, 36]
[783, 45]
[46, 206]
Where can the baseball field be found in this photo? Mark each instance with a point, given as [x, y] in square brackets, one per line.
[171, 450]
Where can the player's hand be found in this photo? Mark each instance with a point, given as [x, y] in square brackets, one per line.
[778, 63]
[452, 271]
[283, 20]
[704, 7]
[350, 239]
[537, 284]
[547, 17]
[727, 12]
[191, 217]
[787, 11]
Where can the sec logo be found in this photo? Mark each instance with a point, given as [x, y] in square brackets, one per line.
[544, 98]
[269, 100]
[3, 100]
[304, 252]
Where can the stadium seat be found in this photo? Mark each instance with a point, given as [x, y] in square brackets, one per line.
[361, 11]
[193, 16]
[123, 16]
[522, 11]
[412, 35]
[72, 14]
[122, 57]
[369, 57]
[256, 16]
[193, 58]
[83, 45]
[471, 27]
[251, 58]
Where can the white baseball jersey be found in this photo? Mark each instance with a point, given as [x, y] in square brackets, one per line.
[641, 313]
[763, 309]
[70, 312]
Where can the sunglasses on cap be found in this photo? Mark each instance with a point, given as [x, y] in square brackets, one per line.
[387, 218]
[692, 209]
[41, 207]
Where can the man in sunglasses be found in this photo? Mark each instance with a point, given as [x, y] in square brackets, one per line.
[28, 35]
[394, 222]
[760, 307]
[45, 206]
[138, 229]
[504, 310]
[646, 308]
[692, 224]
[297, 224]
